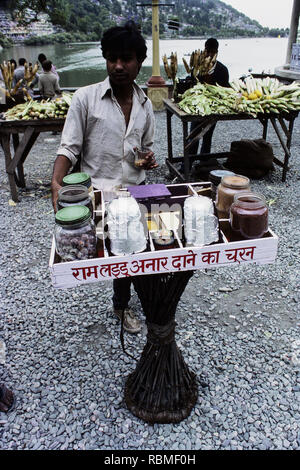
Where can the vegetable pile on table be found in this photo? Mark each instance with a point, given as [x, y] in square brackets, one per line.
[251, 96]
[45, 109]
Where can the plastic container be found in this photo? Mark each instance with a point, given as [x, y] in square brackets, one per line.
[75, 233]
[125, 228]
[215, 177]
[227, 189]
[200, 223]
[82, 179]
[74, 195]
[249, 215]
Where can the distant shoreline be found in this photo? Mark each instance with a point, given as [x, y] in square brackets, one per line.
[188, 38]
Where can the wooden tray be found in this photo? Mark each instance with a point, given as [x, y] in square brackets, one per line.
[226, 252]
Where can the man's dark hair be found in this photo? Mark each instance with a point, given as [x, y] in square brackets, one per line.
[47, 64]
[22, 61]
[13, 62]
[211, 44]
[124, 38]
[41, 58]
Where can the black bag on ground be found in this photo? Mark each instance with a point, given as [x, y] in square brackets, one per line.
[252, 158]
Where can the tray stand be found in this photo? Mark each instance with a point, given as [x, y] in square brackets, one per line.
[162, 389]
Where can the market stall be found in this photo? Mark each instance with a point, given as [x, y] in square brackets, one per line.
[162, 388]
[282, 123]
[29, 120]
[15, 158]
[263, 99]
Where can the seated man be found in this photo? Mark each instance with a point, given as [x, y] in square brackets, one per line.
[104, 124]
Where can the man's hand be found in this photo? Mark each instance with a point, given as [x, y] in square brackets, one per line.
[55, 187]
[61, 167]
[149, 161]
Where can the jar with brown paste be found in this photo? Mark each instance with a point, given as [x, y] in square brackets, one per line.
[227, 189]
[249, 215]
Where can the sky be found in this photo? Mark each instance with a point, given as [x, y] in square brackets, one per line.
[269, 13]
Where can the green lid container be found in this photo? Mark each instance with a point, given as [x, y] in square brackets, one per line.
[72, 215]
[77, 178]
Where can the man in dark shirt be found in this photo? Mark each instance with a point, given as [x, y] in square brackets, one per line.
[217, 75]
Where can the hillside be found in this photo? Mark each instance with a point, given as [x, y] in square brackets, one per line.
[87, 19]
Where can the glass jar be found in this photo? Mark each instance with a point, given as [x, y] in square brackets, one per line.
[215, 177]
[229, 186]
[163, 239]
[75, 233]
[82, 179]
[249, 215]
[74, 195]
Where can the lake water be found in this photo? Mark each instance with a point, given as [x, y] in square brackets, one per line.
[82, 64]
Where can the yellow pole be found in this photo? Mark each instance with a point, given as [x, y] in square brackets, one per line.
[156, 79]
[155, 38]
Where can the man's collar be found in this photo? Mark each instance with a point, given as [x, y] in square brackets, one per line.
[106, 88]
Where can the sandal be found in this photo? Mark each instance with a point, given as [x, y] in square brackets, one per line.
[7, 399]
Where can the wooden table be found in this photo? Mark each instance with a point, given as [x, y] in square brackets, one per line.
[282, 123]
[14, 161]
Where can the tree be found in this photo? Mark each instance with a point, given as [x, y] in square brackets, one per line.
[58, 10]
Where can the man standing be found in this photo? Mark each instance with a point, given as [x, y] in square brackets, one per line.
[105, 122]
[217, 75]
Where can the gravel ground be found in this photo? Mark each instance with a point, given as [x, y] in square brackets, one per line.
[238, 329]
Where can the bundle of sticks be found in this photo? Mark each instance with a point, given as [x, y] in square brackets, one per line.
[171, 70]
[7, 69]
[200, 63]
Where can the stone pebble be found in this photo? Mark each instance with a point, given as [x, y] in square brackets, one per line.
[64, 360]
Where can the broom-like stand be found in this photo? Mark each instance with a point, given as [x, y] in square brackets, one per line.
[162, 389]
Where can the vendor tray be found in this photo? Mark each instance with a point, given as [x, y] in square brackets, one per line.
[228, 251]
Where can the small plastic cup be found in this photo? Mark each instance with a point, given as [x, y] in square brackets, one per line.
[139, 157]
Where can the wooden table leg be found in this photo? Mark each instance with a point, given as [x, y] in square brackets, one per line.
[169, 136]
[287, 153]
[5, 142]
[20, 179]
[162, 389]
[22, 149]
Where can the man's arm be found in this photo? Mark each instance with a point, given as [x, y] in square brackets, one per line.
[56, 87]
[147, 140]
[70, 145]
[61, 167]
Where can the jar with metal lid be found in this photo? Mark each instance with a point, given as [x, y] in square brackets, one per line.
[215, 177]
[82, 179]
[75, 233]
[229, 186]
[74, 195]
[249, 215]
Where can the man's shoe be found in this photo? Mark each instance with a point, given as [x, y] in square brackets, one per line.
[131, 323]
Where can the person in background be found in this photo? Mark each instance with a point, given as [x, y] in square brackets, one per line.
[217, 75]
[19, 74]
[42, 58]
[48, 81]
[19, 71]
[104, 124]
[13, 62]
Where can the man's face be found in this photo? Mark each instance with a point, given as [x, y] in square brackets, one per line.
[211, 52]
[122, 67]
